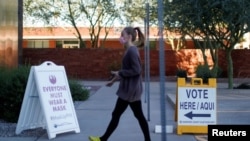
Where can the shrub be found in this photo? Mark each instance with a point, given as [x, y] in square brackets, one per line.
[181, 73]
[115, 65]
[216, 72]
[12, 88]
[203, 72]
[79, 93]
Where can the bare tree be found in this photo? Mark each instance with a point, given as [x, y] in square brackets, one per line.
[98, 15]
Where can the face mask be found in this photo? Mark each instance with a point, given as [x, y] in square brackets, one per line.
[122, 41]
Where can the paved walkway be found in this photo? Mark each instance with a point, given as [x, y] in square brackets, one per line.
[94, 114]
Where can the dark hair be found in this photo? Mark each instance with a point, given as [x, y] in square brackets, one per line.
[134, 31]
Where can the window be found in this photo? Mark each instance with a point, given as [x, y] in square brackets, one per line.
[70, 44]
[59, 44]
[38, 44]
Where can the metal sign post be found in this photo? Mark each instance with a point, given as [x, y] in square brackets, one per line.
[162, 69]
[147, 63]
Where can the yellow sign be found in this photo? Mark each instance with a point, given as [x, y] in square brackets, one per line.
[195, 105]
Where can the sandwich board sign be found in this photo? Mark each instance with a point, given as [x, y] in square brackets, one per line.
[47, 101]
[196, 105]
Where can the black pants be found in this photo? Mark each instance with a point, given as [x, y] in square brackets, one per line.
[120, 107]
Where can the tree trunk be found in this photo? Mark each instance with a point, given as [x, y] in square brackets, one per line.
[229, 68]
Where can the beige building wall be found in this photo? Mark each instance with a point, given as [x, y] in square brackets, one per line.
[9, 33]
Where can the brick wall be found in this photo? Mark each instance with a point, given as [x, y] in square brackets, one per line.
[97, 63]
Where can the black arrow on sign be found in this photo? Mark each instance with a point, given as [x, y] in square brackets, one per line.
[191, 115]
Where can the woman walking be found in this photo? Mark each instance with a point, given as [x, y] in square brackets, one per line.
[130, 88]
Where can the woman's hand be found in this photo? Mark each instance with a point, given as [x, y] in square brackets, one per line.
[115, 77]
[109, 84]
[115, 73]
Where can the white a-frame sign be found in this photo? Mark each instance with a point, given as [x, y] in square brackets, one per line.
[47, 101]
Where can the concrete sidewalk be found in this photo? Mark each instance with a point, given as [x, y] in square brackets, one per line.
[95, 113]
